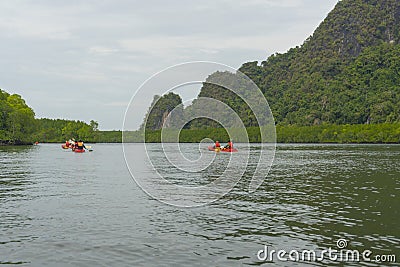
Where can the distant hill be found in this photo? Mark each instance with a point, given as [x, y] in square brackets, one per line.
[347, 72]
[160, 108]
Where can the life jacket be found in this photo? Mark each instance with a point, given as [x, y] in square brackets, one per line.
[80, 144]
[217, 144]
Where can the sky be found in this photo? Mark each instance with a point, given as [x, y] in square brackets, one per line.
[84, 60]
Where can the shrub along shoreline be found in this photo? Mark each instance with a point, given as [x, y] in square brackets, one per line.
[340, 134]
[14, 143]
[386, 133]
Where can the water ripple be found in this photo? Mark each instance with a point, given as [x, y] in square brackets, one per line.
[61, 207]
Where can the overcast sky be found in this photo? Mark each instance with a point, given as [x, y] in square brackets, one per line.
[85, 59]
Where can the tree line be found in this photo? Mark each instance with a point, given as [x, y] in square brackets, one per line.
[388, 133]
[18, 125]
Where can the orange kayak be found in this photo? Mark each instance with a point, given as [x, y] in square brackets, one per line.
[211, 148]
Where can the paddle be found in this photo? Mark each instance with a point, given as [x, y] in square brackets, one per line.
[89, 148]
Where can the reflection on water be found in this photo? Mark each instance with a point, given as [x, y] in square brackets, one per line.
[14, 175]
[14, 181]
[61, 208]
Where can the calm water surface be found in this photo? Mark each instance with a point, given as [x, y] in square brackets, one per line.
[58, 208]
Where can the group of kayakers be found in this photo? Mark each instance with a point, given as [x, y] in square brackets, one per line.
[71, 143]
[229, 145]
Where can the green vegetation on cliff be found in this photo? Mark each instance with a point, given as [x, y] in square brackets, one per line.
[366, 90]
[348, 71]
[159, 110]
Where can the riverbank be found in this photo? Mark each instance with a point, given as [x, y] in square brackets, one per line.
[14, 143]
[386, 133]
[340, 134]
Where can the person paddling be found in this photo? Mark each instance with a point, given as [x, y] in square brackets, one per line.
[72, 143]
[217, 145]
[229, 145]
[80, 145]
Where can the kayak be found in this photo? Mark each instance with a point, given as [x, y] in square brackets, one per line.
[211, 148]
[65, 147]
[77, 150]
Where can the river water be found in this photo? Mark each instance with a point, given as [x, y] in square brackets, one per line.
[59, 208]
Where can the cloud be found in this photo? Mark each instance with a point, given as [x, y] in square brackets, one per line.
[165, 45]
[22, 19]
[209, 51]
[102, 50]
[117, 104]
[269, 3]
[16, 27]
